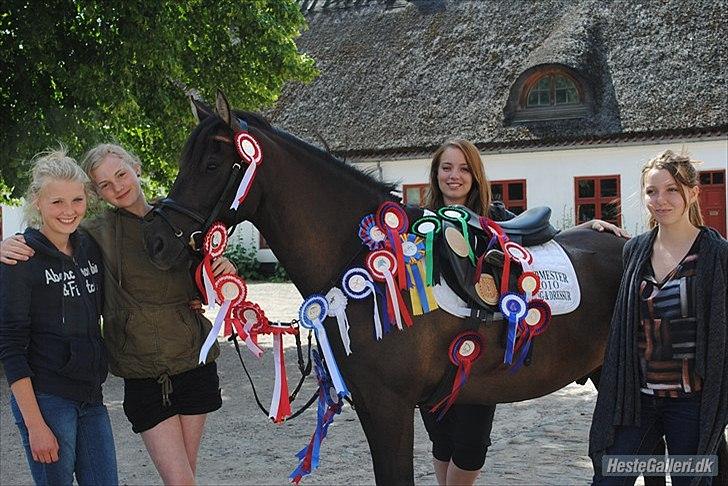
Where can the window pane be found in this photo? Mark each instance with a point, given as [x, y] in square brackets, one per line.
[516, 209]
[586, 212]
[586, 188]
[532, 98]
[497, 191]
[705, 178]
[539, 94]
[610, 212]
[543, 98]
[544, 83]
[565, 91]
[608, 187]
[718, 177]
[515, 191]
[560, 96]
[412, 196]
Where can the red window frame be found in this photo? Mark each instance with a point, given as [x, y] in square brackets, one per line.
[598, 200]
[422, 189]
[512, 203]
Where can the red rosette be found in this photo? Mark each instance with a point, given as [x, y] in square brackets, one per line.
[380, 261]
[215, 240]
[537, 318]
[518, 253]
[392, 216]
[248, 148]
[529, 283]
[232, 288]
[250, 312]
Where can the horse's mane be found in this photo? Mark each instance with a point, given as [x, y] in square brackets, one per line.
[365, 177]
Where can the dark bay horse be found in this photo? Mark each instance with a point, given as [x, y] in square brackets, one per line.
[308, 205]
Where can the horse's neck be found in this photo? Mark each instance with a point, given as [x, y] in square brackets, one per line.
[309, 218]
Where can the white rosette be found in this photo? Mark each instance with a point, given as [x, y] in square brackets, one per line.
[358, 285]
[337, 308]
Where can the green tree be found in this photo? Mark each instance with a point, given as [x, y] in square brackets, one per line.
[80, 72]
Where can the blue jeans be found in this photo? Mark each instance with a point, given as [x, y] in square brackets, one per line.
[85, 441]
[676, 419]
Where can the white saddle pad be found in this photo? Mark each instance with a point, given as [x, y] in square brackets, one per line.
[559, 286]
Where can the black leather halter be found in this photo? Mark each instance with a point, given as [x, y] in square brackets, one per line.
[201, 224]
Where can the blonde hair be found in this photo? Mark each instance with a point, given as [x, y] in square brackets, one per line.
[96, 155]
[47, 166]
[682, 168]
[479, 197]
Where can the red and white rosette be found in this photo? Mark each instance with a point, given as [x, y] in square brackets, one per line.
[250, 152]
[529, 283]
[213, 247]
[337, 308]
[230, 290]
[253, 322]
[382, 265]
[392, 218]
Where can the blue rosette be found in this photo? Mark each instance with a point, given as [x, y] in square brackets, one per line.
[514, 307]
[312, 314]
[358, 284]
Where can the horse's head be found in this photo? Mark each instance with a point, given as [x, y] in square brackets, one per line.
[210, 172]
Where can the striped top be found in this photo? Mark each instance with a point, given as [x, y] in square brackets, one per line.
[667, 330]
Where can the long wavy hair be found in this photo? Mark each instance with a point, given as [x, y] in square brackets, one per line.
[479, 197]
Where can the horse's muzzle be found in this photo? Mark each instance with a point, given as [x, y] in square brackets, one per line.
[164, 249]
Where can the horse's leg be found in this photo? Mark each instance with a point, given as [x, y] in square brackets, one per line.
[388, 422]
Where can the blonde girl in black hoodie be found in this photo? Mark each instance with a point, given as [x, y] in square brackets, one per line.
[50, 339]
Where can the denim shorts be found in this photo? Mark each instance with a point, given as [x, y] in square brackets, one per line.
[85, 440]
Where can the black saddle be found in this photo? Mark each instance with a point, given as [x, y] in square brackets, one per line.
[531, 227]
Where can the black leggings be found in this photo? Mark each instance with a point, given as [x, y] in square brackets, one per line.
[463, 434]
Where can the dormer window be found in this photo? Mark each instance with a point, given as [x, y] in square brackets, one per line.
[548, 92]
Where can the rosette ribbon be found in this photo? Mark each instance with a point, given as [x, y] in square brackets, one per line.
[392, 218]
[459, 215]
[535, 323]
[280, 404]
[464, 350]
[428, 227]
[328, 407]
[421, 295]
[231, 291]
[514, 308]
[357, 284]
[382, 265]
[312, 314]
[250, 152]
[337, 308]
[213, 247]
[371, 234]
[253, 322]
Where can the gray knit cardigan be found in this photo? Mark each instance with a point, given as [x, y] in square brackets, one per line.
[618, 402]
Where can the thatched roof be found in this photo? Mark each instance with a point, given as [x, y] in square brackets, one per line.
[401, 76]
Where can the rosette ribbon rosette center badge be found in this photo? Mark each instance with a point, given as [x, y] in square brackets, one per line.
[464, 350]
[337, 308]
[421, 295]
[250, 152]
[382, 265]
[459, 215]
[392, 218]
[213, 247]
[358, 285]
[312, 314]
[231, 291]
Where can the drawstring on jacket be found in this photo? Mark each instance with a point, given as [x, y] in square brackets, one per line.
[166, 389]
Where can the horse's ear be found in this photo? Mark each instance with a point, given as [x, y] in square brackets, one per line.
[199, 109]
[222, 106]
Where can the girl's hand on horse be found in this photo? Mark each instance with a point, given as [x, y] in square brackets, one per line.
[13, 250]
[599, 225]
[221, 266]
[43, 443]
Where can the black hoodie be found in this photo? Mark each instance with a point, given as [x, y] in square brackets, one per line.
[49, 319]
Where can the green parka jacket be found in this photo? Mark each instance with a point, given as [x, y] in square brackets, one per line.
[148, 327]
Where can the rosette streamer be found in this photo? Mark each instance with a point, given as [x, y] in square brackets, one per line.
[253, 323]
[213, 247]
[465, 349]
[326, 411]
[312, 314]
[231, 291]
[280, 405]
[337, 308]
[422, 296]
[428, 227]
[250, 152]
[392, 218]
[382, 265]
[357, 284]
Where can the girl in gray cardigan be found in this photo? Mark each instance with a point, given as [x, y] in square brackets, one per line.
[665, 370]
